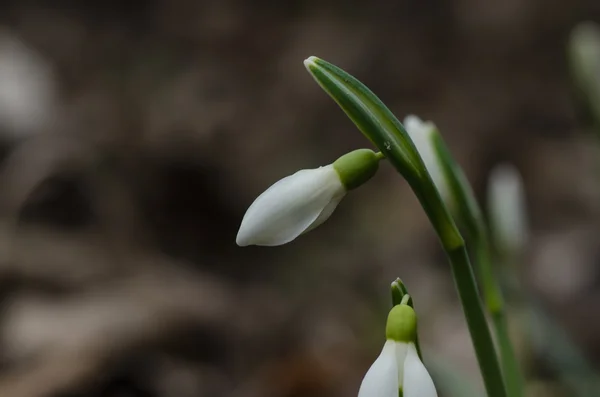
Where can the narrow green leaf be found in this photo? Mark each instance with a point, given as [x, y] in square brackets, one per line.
[381, 127]
[369, 114]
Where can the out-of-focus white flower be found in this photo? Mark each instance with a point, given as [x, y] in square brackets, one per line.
[508, 215]
[398, 370]
[302, 201]
[422, 133]
[27, 90]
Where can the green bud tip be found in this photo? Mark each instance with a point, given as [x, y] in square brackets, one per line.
[398, 292]
[401, 324]
[357, 167]
[310, 61]
[399, 285]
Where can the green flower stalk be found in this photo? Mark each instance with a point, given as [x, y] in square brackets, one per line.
[380, 126]
[469, 215]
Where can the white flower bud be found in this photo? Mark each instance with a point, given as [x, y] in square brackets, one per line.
[291, 207]
[422, 134]
[302, 201]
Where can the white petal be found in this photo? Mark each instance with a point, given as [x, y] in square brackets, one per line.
[421, 133]
[417, 382]
[327, 211]
[290, 206]
[381, 379]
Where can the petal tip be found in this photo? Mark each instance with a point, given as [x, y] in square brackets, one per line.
[242, 239]
[241, 242]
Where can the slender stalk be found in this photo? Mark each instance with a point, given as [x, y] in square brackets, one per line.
[466, 286]
[493, 297]
[476, 320]
[496, 307]
[515, 383]
[470, 216]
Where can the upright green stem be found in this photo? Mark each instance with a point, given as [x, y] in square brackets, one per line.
[476, 320]
[470, 215]
[496, 307]
[466, 285]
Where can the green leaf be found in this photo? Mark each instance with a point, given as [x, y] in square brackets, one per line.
[382, 128]
[369, 114]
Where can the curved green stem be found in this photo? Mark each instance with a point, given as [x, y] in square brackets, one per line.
[466, 286]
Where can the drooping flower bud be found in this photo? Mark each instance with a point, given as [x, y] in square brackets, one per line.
[302, 201]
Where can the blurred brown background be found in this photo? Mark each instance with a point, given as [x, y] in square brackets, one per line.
[134, 134]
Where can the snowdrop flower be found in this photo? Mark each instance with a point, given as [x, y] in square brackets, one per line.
[302, 201]
[398, 371]
[508, 216]
[422, 133]
[28, 90]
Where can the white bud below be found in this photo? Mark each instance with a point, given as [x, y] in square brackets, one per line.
[398, 367]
